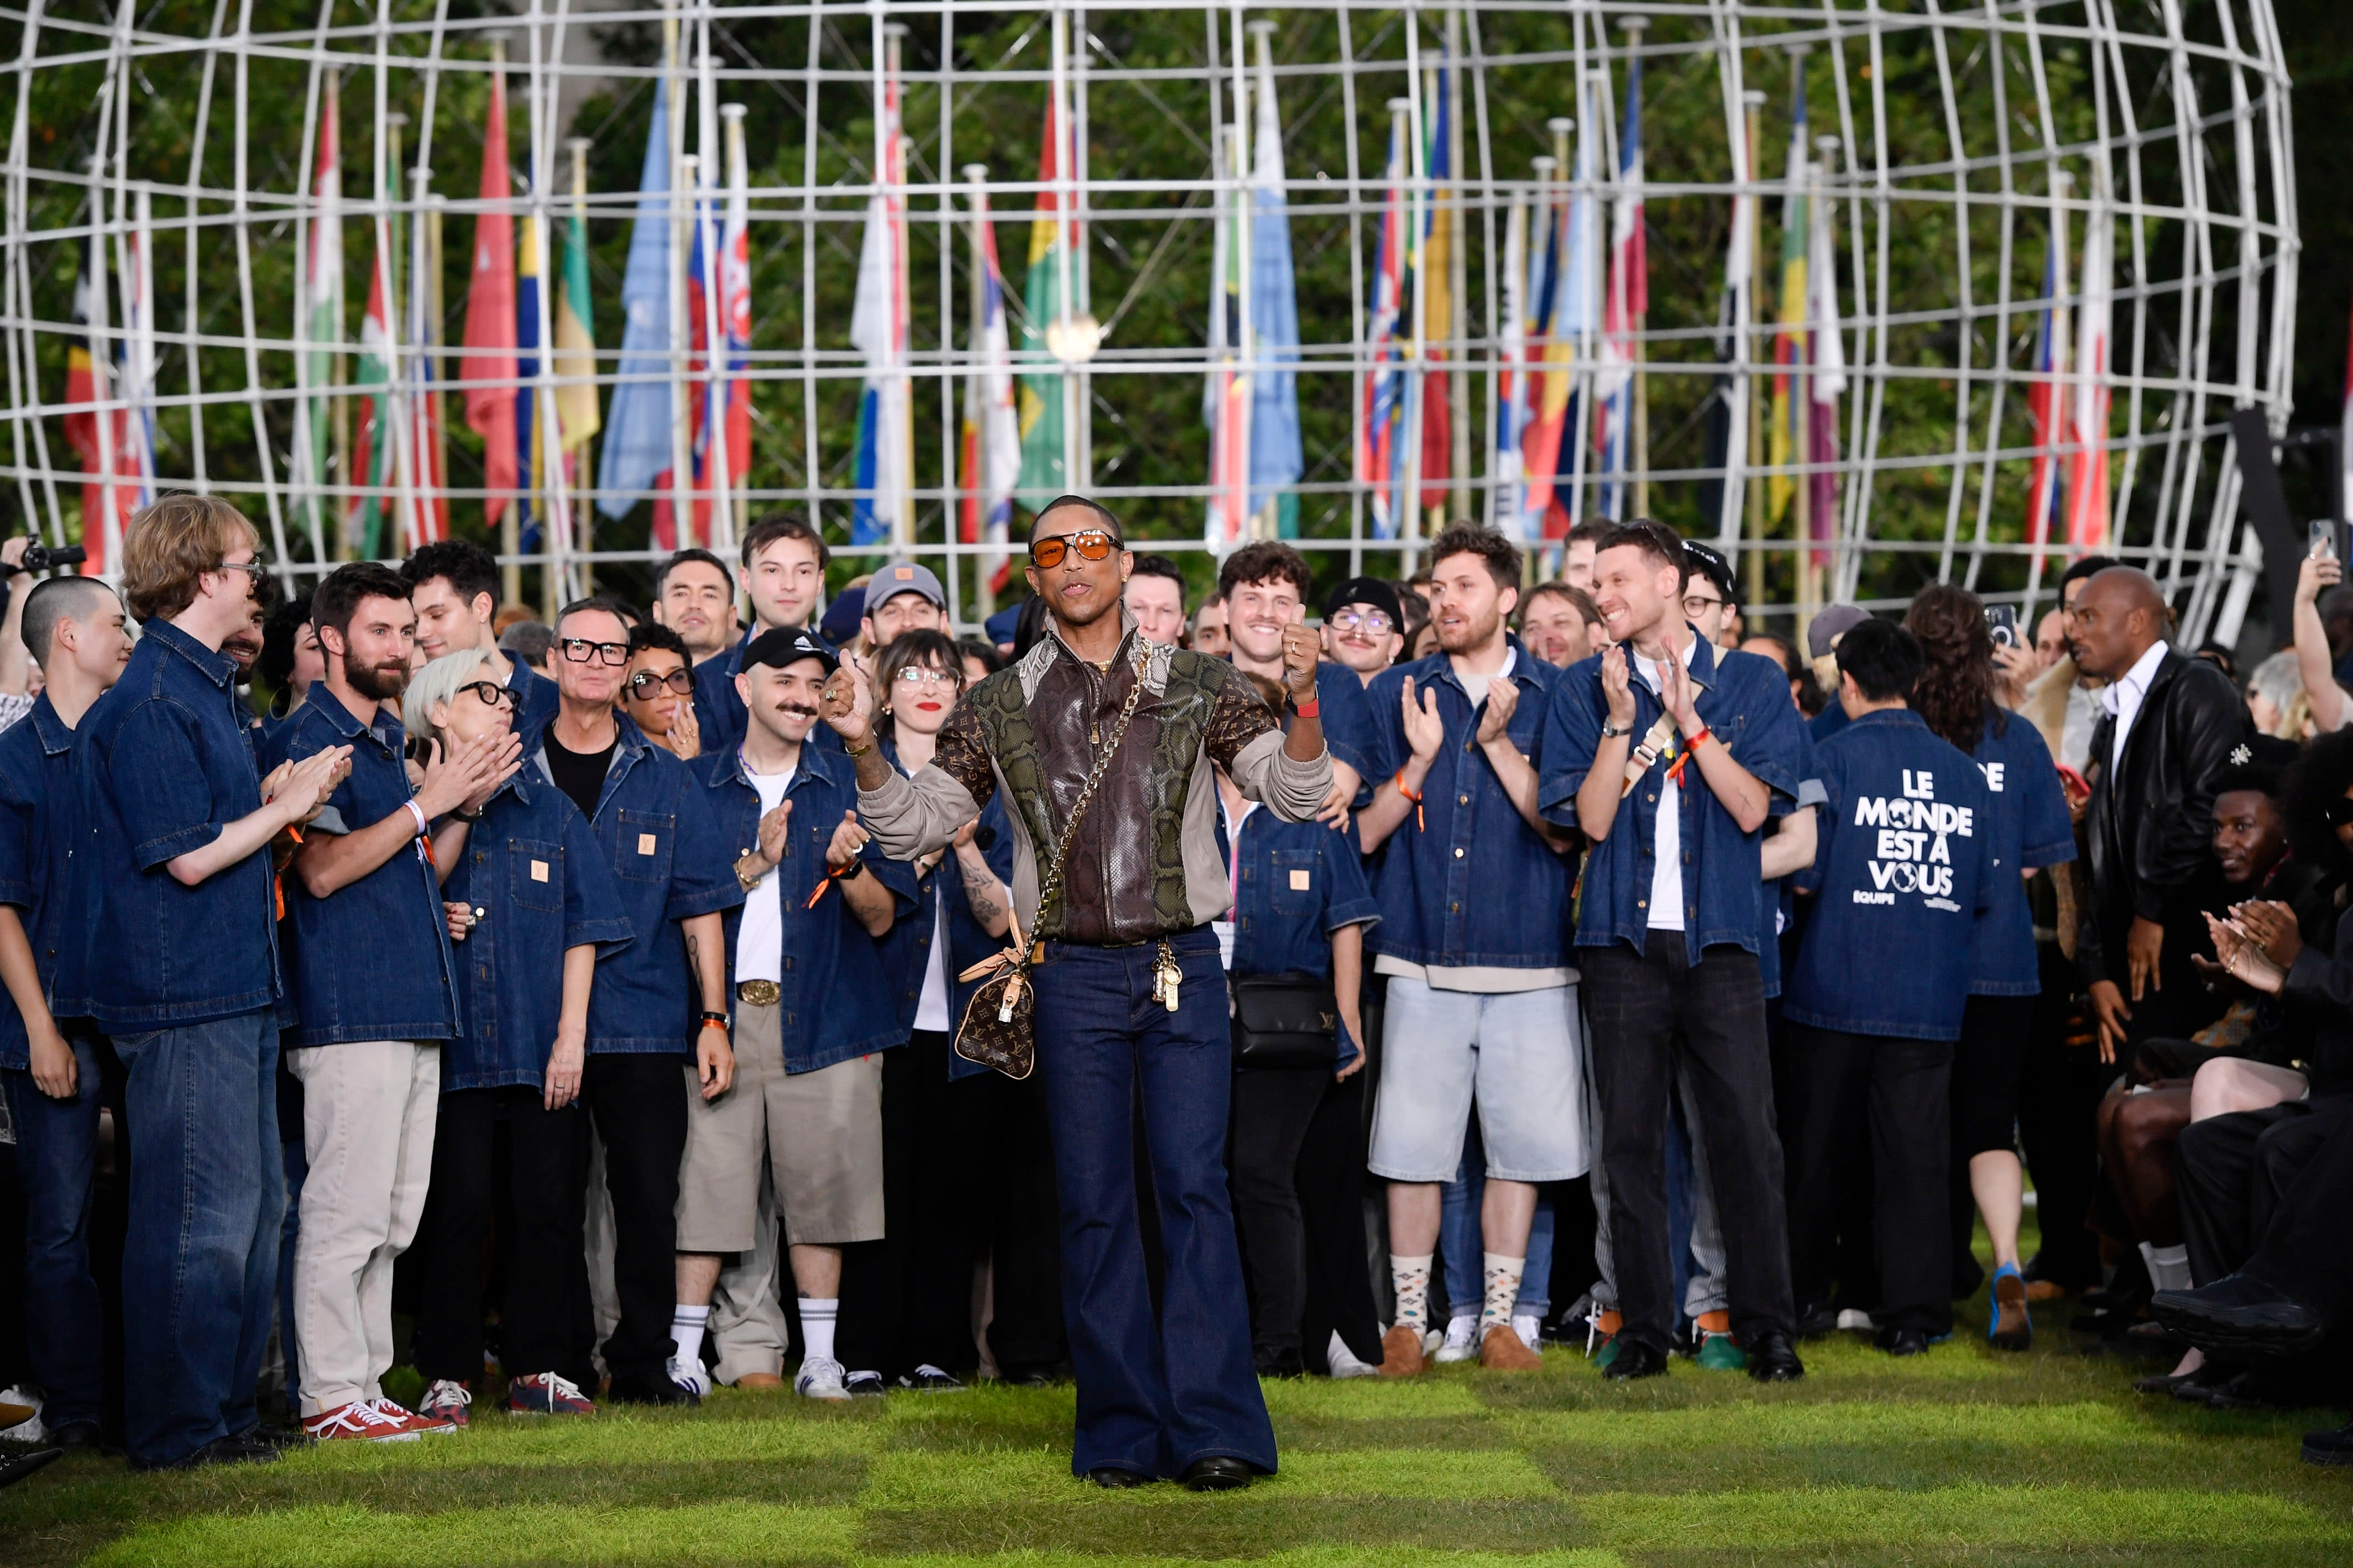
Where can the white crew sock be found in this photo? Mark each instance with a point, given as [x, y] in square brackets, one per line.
[2169, 1266]
[1502, 1280]
[1410, 1276]
[816, 1326]
[686, 1326]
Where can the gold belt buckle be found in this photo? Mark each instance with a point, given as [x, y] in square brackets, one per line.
[758, 993]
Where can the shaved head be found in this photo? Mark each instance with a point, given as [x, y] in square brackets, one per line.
[55, 599]
[2117, 617]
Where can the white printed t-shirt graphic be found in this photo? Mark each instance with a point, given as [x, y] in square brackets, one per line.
[1667, 871]
[760, 939]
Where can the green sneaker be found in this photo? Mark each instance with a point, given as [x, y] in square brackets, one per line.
[1717, 1352]
[1609, 1353]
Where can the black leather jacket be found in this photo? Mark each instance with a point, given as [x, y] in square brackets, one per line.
[2149, 831]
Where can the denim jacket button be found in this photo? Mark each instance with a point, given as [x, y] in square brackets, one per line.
[1457, 853]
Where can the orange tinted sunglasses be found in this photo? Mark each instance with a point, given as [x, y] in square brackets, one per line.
[1093, 544]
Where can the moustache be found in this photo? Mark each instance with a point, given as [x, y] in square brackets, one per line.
[805, 712]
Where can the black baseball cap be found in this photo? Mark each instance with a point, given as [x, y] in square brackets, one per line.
[1710, 564]
[778, 649]
[1365, 591]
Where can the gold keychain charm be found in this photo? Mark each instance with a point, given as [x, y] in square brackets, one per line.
[1168, 977]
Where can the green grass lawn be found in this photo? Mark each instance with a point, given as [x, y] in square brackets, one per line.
[1960, 1456]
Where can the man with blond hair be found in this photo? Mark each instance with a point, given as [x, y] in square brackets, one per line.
[179, 826]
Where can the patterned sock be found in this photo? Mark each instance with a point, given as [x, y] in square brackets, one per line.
[816, 1326]
[686, 1326]
[1410, 1276]
[1502, 1275]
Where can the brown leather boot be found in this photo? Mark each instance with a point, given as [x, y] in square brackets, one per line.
[1500, 1349]
[1401, 1352]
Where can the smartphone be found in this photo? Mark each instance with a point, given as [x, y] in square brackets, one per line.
[2076, 783]
[2320, 539]
[2001, 621]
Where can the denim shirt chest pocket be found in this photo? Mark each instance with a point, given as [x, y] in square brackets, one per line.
[1291, 882]
[645, 839]
[535, 875]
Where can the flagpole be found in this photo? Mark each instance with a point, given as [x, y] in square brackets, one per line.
[901, 389]
[1457, 279]
[1239, 169]
[1407, 505]
[1634, 28]
[1063, 239]
[339, 368]
[681, 459]
[554, 504]
[710, 169]
[973, 475]
[434, 305]
[1752, 345]
[586, 524]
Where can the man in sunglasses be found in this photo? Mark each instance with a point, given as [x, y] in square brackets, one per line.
[1129, 985]
[659, 1003]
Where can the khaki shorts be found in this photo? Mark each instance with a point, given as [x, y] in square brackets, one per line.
[820, 1131]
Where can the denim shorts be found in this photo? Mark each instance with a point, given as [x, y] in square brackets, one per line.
[1518, 1051]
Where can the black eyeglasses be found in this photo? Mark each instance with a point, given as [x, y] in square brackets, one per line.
[488, 693]
[580, 650]
[643, 684]
[1093, 544]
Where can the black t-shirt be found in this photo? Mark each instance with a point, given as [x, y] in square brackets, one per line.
[580, 774]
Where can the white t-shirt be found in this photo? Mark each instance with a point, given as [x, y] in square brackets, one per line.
[760, 939]
[1667, 871]
[932, 1008]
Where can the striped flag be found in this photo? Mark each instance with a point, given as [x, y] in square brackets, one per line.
[1381, 458]
[1511, 385]
[1043, 465]
[1550, 350]
[1627, 298]
[885, 510]
[105, 444]
[990, 455]
[490, 342]
[1432, 279]
[320, 323]
[364, 516]
[1225, 406]
[1276, 458]
[2045, 400]
[2087, 475]
[575, 337]
[1829, 359]
[531, 457]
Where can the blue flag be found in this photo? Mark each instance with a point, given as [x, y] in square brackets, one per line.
[1276, 460]
[638, 427]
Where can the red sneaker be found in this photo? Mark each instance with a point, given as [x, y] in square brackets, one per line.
[359, 1422]
[411, 1421]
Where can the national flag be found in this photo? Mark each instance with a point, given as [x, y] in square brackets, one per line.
[430, 519]
[1728, 421]
[490, 361]
[575, 336]
[1829, 360]
[718, 300]
[1276, 458]
[531, 441]
[1381, 458]
[1043, 463]
[1576, 276]
[1432, 277]
[2046, 401]
[1226, 398]
[1790, 342]
[110, 465]
[1627, 298]
[371, 454]
[320, 314]
[637, 454]
[736, 326]
[1550, 350]
[878, 331]
[2087, 474]
[989, 460]
[1511, 383]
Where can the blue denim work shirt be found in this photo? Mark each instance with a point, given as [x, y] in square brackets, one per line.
[1777, 907]
[1295, 884]
[1744, 701]
[907, 951]
[370, 960]
[163, 762]
[1903, 872]
[41, 856]
[2026, 812]
[1466, 883]
[671, 863]
[836, 998]
[538, 884]
[719, 715]
[1347, 719]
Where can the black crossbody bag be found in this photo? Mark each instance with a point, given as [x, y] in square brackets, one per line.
[1284, 1021]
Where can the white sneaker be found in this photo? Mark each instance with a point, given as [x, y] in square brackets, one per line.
[1344, 1361]
[1855, 1318]
[821, 1377]
[1530, 1328]
[1461, 1335]
[691, 1376]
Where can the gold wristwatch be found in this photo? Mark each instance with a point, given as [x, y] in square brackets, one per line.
[749, 883]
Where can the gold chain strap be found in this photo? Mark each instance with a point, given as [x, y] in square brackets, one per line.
[1053, 882]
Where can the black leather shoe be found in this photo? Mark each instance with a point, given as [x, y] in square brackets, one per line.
[1818, 1323]
[1634, 1360]
[2240, 1312]
[2329, 1448]
[639, 1389]
[1901, 1342]
[1773, 1359]
[1218, 1473]
[79, 1436]
[1114, 1478]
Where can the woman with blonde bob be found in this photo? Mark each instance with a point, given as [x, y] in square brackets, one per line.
[531, 900]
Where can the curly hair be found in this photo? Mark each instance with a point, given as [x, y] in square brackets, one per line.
[1955, 692]
[2318, 781]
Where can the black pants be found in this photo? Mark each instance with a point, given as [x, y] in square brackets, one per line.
[906, 1300]
[638, 1104]
[2060, 1086]
[1024, 1220]
[1903, 1089]
[1638, 1005]
[2230, 1172]
[2303, 1252]
[546, 1273]
[1989, 1062]
[1298, 1181]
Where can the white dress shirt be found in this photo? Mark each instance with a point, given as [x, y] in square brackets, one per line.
[2123, 699]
